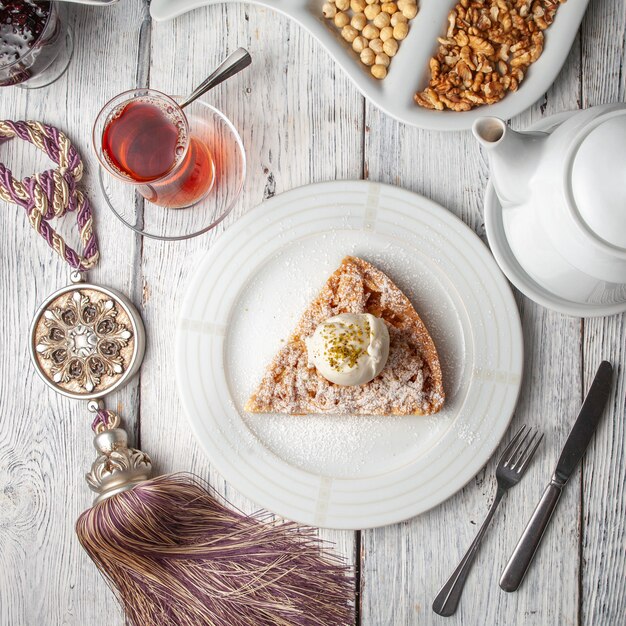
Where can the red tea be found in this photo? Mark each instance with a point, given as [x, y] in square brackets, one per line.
[142, 141]
[148, 142]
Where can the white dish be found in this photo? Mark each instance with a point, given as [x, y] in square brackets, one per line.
[346, 471]
[509, 264]
[408, 70]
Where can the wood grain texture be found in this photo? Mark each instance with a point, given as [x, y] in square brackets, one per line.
[45, 440]
[317, 113]
[419, 555]
[301, 121]
[603, 532]
[603, 540]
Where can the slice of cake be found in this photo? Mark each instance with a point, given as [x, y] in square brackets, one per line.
[403, 375]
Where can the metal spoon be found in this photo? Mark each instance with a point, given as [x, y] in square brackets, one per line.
[233, 64]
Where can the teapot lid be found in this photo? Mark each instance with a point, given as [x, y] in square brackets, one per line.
[598, 179]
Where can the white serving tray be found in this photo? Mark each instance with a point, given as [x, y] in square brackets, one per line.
[408, 71]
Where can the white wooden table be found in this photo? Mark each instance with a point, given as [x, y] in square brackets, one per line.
[301, 121]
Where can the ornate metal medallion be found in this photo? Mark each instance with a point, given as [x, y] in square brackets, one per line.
[87, 340]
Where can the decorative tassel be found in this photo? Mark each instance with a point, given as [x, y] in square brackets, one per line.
[177, 556]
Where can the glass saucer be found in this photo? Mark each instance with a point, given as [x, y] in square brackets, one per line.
[157, 222]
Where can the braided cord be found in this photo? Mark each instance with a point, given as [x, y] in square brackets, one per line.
[53, 193]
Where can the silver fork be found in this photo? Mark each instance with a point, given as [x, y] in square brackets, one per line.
[511, 467]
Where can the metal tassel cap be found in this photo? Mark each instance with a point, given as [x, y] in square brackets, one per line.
[117, 467]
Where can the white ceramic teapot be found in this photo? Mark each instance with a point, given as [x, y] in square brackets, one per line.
[563, 198]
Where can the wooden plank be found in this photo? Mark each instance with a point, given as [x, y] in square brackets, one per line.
[315, 133]
[45, 440]
[300, 121]
[403, 566]
[603, 520]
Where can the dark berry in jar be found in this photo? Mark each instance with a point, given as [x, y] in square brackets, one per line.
[21, 24]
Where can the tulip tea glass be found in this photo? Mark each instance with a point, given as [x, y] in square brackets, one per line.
[143, 138]
[171, 159]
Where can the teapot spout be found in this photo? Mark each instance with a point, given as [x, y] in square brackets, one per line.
[513, 158]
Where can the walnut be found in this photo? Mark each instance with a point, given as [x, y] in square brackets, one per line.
[464, 72]
[480, 45]
[434, 68]
[521, 58]
[486, 51]
[461, 38]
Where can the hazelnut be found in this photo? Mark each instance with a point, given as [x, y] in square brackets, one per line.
[359, 44]
[329, 10]
[379, 71]
[409, 11]
[386, 33]
[343, 5]
[358, 6]
[376, 45]
[396, 18]
[389, 7]
[371, 11]
[382, 20]
[370, 31]
[358, 21]
[341, 19]
[390, 47]
[400, 31]
[368, 56]
[382, 59]
[349, 33]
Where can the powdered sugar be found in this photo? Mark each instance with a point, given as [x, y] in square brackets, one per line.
[409, 384]
[269, 310]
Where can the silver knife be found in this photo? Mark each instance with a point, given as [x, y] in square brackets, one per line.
[573, 451]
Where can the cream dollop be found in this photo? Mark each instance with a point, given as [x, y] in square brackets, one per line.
[349, 349]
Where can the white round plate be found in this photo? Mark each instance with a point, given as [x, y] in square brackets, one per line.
[409, 71]
[503, 254]
[244, 301]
